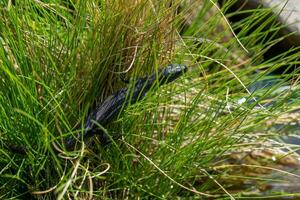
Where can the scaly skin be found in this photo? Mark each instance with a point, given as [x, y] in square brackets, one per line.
[111, 107]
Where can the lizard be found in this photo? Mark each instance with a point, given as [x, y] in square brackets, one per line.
[112, 106]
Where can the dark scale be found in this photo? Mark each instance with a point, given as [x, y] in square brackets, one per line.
[111, 107]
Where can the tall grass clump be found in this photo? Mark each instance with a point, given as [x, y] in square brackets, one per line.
[61, 58]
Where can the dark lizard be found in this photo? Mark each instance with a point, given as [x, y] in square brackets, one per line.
[111, 107]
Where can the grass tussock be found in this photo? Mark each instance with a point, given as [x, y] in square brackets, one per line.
[215, 133]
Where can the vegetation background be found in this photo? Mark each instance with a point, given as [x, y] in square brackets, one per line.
[215, 133]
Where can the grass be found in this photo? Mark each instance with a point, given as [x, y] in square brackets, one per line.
[189, 139]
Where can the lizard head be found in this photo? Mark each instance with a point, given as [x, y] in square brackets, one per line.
[171, 72]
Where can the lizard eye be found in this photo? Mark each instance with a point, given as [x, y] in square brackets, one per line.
[175, 68]
[172, 72]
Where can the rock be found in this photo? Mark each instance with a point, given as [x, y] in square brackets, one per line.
[289, 14]
[288, 11]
